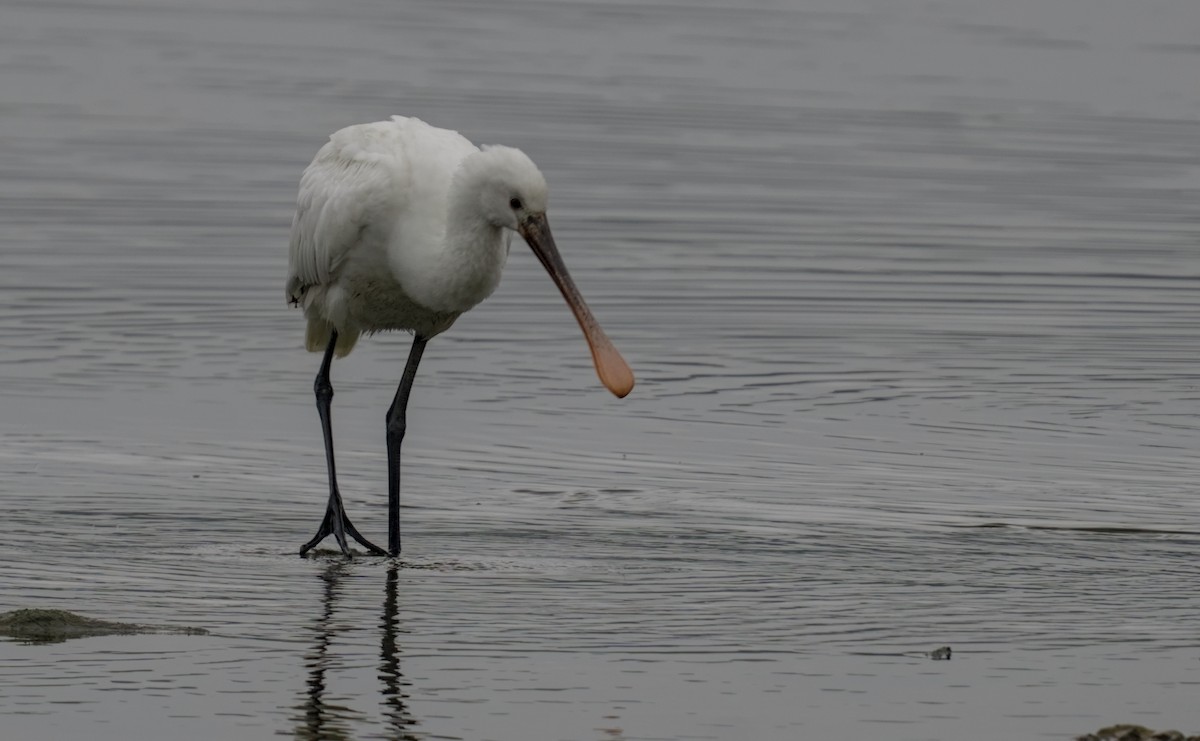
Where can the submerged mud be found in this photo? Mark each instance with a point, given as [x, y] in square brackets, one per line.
[53, 626]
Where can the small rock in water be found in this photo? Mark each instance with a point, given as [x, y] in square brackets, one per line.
[940, 654]
[1131, 732]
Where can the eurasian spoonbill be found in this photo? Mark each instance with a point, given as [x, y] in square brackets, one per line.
[402, 225]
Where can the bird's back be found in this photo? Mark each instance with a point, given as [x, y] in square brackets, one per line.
[419, 159]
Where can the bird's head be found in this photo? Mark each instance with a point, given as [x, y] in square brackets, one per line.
[510, 187]
[512, 195]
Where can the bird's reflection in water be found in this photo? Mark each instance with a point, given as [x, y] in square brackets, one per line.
[322, 720]
[395, 696]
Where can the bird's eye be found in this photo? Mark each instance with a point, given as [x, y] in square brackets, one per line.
[515, 204]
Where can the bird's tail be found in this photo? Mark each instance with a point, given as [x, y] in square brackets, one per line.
[316, 338]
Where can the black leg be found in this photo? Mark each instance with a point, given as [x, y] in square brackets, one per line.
[336, 522]
[395, 435]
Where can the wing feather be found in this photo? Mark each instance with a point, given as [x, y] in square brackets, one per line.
[353, 179]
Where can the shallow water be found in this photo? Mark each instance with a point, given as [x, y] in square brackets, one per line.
[909, 288]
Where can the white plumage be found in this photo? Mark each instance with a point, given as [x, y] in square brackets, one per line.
[388, 233]
[400, 225]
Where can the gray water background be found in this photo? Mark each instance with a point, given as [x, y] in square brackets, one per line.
[910, 289]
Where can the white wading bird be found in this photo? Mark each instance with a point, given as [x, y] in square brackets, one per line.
[401, 225]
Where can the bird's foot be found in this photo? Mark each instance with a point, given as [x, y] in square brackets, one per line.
[337, 523]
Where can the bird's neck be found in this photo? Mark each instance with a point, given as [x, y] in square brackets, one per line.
[467, 229]
[471, 257]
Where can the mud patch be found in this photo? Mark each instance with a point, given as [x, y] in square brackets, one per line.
[54, 626]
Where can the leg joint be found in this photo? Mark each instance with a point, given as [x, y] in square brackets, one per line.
[396, 425]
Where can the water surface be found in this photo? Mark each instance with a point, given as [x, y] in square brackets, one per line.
[910, 291]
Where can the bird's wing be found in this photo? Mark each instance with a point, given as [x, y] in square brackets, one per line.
[364, 177]
[351, 184]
